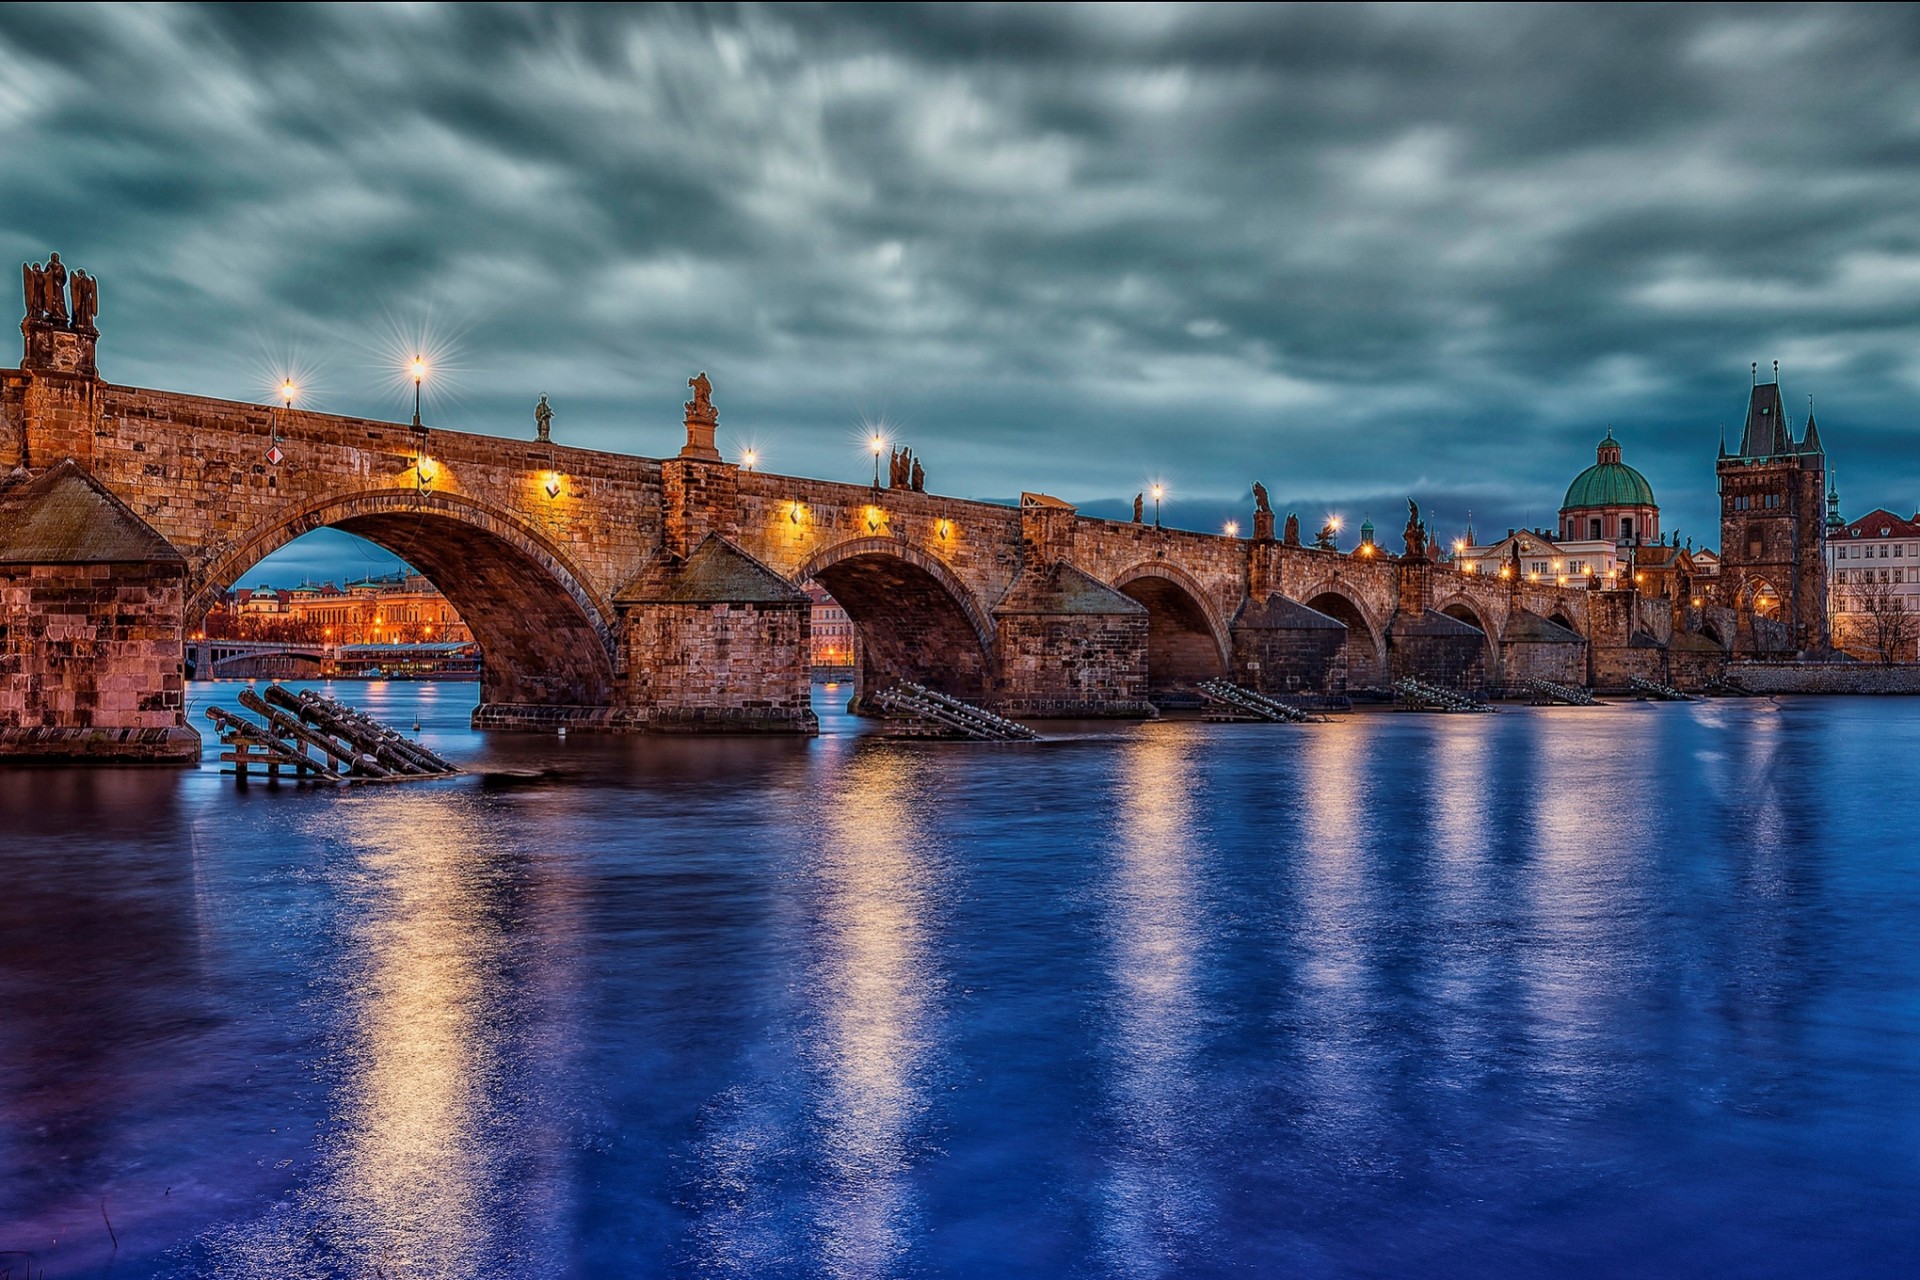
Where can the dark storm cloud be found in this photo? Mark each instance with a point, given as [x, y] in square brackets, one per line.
[1354, 252]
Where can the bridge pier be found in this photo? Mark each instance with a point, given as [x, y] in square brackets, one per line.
[92, 627]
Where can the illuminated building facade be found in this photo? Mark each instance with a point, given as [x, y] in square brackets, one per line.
[832, 645]
[402, 609]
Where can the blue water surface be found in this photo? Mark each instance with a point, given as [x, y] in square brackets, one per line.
[1618, 991]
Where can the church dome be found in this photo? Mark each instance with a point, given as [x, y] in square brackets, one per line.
[1608, 483]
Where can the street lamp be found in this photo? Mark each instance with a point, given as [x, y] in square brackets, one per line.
[1233, 528]
[419, 371]
[876, 443]
[747, 459]
[1159, 491]
[288, 391]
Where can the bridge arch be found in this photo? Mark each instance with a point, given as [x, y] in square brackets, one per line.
[546, 632]
[913, 618]
[1366, 637]
[1470, 611]
[1465, 609]
[1187, 641]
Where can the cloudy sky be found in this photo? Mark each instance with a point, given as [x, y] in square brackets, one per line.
[1357, 253]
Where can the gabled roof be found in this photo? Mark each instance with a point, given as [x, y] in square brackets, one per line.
[1277, 613]
[716, 573]
[1871, 524]
[1432, 623]
[1766, 429]
[1526, 627]
[65, 516]
[1062, 589]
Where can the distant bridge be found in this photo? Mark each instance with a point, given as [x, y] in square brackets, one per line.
[254, 659]
[615, 591]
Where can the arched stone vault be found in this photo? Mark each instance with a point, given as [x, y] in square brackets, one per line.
[913, 618]
[1187, 641]
[546, 633]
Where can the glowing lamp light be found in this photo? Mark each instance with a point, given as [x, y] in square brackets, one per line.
[553, 485]
[874, 517]
[793, 512]
[876, 443]
[424, 468]
[288, 391]
[1333, 523]
[748, 458]
[1233, 528]
[418, 369]
[944, 529]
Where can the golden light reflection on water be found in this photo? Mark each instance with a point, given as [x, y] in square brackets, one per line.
[407, 1184]
[411, 1170]
[1341, 1090]
[876, 985]
[1154, 1203]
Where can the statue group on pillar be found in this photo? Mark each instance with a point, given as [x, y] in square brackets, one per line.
[700, 409]
[905, 472]
[1415, 532]
[47, 286]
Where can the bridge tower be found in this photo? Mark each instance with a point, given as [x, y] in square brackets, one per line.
[1773, 564]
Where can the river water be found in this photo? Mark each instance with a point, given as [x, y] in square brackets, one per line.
[1626, 991]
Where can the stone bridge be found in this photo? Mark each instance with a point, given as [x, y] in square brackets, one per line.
[617, 591]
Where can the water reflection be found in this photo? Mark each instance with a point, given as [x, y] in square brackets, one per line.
[1339, 1079]
[1580, 900]
[821, 1147]
[427, 1168]
[1155, 1204]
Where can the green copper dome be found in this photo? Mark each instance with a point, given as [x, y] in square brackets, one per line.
[1608, 483]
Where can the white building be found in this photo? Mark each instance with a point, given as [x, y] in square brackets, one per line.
[1873, 567]
[1566, 564]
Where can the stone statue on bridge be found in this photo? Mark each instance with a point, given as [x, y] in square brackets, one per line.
[86, 302]
[53, 289]
[1292, 534]
[700, 409]
[1139, 508]
[905, 472]
[1262, 514]
[45, 287]
[543, 420]
[1415, 533]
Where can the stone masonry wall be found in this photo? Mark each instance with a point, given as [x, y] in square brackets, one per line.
[1082, 665]
[93, 650]
[721, 666]
[1826, 677]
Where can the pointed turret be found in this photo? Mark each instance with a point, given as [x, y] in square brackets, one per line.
[1810, 442]
[1766, 433]
[1833, 499]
